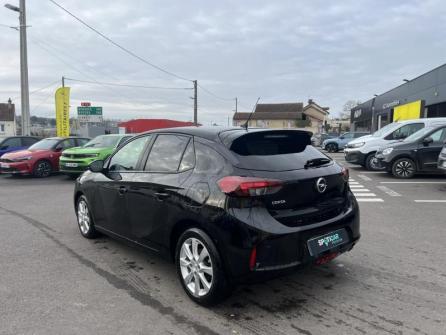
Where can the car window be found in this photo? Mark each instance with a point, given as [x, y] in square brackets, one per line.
[27, 141]
[66, 144]
[82, 141]
[188, 161]
[405, 131]
[11, 143]
[356, 135]
[123, 140]
[347, 135]
[127, 157]
[166, 153]
[439, 135]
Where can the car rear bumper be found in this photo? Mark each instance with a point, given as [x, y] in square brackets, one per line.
[354, 156]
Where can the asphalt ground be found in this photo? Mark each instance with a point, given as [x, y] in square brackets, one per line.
[53, 281]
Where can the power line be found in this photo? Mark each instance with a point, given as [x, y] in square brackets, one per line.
[118, 45]
[126, 85]
[39, 89]
[214, 95]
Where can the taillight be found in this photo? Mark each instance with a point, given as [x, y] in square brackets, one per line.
[345, 174]
[253, 259]
[248, 186]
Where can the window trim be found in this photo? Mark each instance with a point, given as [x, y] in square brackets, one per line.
[147, 155]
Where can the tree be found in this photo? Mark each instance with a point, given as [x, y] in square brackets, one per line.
[348, 106]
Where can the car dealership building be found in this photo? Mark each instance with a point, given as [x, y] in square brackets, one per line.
[422, 97]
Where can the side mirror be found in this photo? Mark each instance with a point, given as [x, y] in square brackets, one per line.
[427, 140]
[96, 166]
[58, 149]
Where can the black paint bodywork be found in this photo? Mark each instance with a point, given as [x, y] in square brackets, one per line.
[152, 209]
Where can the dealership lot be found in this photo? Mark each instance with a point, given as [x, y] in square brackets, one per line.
[54, 281]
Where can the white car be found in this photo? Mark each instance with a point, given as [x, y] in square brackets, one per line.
[362, 151]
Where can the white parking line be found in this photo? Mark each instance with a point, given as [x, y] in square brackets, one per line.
[431, 201]
[388, 191]
[356, 186]
[373, 172]
[360, 190]
[353, 183]
[364, 194]
[413, 182]
[370, 200]
[364, 177]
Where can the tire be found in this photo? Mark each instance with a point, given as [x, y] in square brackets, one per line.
[208, 272]
[371, 163]
[42, 169]
[404, 168]
[331, 147]
[84, 219]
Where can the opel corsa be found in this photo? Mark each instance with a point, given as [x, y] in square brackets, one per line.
[227, 205]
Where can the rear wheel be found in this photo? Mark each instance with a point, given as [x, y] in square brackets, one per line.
[42, 169]
[199, 268]
[331, 147]
[403, 168]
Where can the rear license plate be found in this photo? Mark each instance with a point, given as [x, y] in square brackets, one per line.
[4, 165]
[326, 242]
[71, 164]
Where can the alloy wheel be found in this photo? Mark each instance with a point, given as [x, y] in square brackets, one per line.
[83, 217]
[196, 267]
[43, 169]
[404, 169]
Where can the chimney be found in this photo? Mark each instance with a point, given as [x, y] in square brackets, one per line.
[310, 101]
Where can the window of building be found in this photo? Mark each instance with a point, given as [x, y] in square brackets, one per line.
[2, 128]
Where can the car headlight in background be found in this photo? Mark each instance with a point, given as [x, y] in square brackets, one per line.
[356, 145]
[22, 159]
[387, 151]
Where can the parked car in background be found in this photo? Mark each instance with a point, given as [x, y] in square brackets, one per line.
[227, 205]
[362, 151]
[418, 153]
[442, 158]
[40, 159]
[74, 161]
[338, 143]
[15, 143]
[318, 139]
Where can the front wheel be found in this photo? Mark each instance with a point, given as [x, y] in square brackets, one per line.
[84, 219]
[42, 169]
[331, 147]
[404, 168]
[200, 268]
[372, 163]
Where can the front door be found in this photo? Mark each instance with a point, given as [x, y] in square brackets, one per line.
[428, 153]
[111, 195]
[154, 200]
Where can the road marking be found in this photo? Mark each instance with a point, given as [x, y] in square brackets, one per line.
[353, 183]
[360, 190]
[431, 201]
[356, 186]
[372, 172]
[413, 182]
[369, 200]
[364, 194]
[364, 177]
[388, 191]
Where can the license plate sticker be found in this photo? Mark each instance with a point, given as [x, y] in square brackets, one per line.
[71, 164]
[326, 242]
[4, 165]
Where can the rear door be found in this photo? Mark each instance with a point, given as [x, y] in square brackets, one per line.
[427, 155]
[154, 199]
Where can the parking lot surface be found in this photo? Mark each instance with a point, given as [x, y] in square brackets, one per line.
[53, 281]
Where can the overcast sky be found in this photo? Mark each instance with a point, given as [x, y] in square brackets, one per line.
[282, 51]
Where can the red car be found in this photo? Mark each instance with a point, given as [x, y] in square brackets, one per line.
[40, 159]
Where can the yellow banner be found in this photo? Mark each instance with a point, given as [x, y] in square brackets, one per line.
[63, 111]
[408, 111]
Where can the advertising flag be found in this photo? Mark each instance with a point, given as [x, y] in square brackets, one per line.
[63, 111]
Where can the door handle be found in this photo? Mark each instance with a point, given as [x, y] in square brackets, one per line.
[122, 190]
[161, 196]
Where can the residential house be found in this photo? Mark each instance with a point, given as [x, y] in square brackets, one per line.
[285, 115]
[7, 119]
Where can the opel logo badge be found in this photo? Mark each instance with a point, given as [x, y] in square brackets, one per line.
[321, 185]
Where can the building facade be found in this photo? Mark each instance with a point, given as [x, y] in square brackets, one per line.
[285, 115]
[141, 125]
[421, 97]
[7, 119]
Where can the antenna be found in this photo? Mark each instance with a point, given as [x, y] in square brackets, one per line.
[250, 115]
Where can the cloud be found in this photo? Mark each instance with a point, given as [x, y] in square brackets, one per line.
[282, 51]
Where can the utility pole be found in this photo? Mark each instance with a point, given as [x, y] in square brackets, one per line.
[24, 85]
[63, 81]
[195, 103]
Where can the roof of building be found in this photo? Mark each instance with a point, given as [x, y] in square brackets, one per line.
[282, 111]
[142, 125]
[7, 112]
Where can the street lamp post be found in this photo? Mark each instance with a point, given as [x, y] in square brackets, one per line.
[24, 86]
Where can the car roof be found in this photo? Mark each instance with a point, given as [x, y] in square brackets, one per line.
[63, 138]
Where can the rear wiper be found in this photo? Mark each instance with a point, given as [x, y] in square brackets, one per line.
[316, 162]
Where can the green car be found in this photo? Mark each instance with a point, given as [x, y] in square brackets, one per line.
[74, 161]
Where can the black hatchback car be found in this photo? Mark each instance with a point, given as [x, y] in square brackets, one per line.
[418, 153]
[227, 205]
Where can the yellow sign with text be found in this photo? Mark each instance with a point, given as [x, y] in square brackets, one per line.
[408, 111]
[63, 111]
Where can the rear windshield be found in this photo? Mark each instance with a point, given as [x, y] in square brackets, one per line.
[275, 150]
